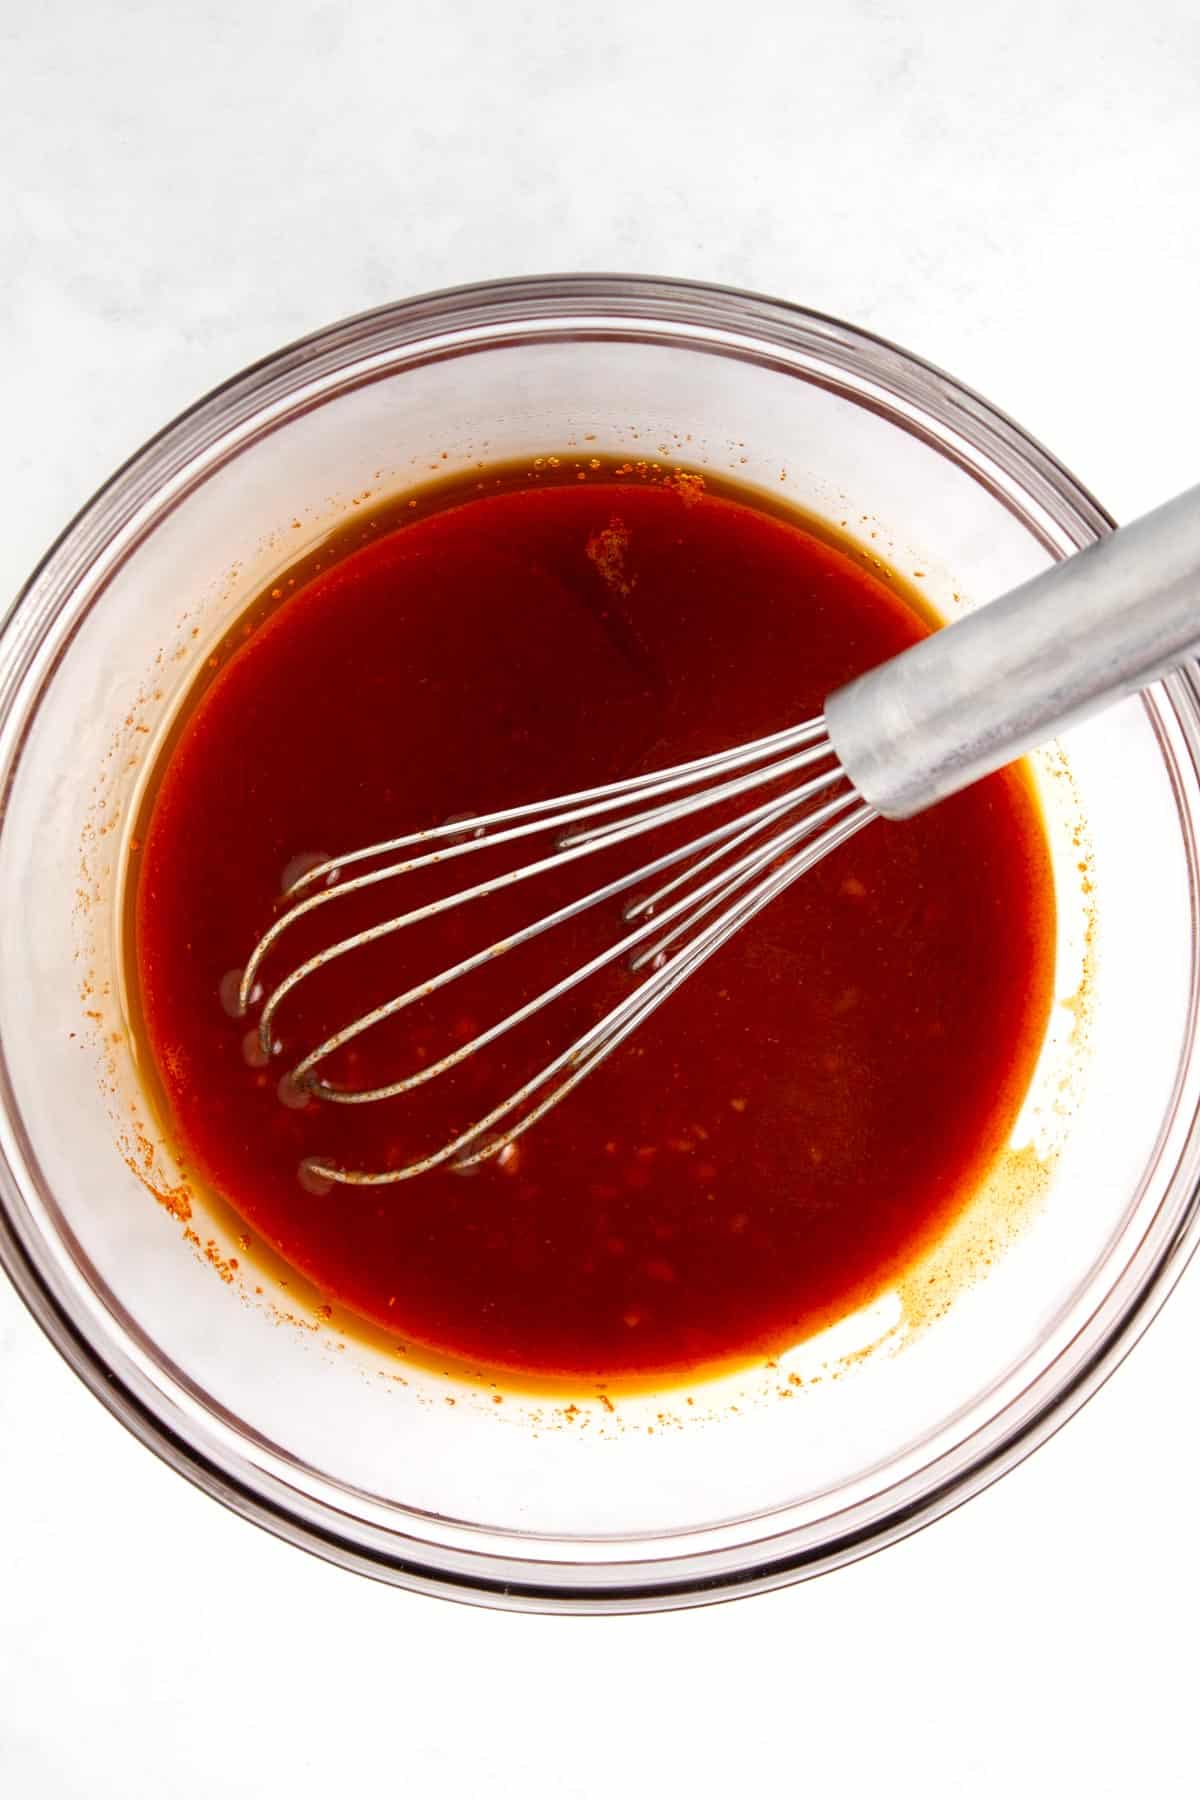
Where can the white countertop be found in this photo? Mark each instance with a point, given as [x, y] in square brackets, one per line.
[1012, 195]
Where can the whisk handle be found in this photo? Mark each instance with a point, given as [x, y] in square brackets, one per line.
[976, 695]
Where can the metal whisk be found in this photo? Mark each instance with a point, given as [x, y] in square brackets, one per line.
[932, 720]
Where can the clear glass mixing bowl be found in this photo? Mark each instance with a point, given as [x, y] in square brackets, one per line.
[342, 1444]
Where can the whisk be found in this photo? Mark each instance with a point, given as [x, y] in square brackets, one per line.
[941, 715]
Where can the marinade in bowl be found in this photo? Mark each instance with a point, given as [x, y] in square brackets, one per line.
[793, 1127]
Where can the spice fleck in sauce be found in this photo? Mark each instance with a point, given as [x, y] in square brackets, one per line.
[794, 1125]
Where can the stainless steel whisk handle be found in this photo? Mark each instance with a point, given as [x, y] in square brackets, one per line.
[969, 699]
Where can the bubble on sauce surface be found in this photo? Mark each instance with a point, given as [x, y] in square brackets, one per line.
[297, 867]
[470, 829]
[253, 1053]
[507, 1156]
[291, 1094]
[230, 992]
[641, 908]
[312, 1180]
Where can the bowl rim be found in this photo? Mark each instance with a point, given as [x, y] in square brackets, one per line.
[1019, 470]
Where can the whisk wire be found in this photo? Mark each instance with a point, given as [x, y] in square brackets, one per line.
[520, 822]
[715, 882]
[476, 1145]
[586, 799]
[622, 831]
[692, 906]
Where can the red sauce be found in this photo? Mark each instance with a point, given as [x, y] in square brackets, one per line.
[798, 1121]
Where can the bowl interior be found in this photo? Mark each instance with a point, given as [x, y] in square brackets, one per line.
[579, 1492]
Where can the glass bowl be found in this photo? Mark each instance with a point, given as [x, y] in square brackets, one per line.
[234, 1372]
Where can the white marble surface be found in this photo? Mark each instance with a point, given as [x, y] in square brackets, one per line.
[1010, 190]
